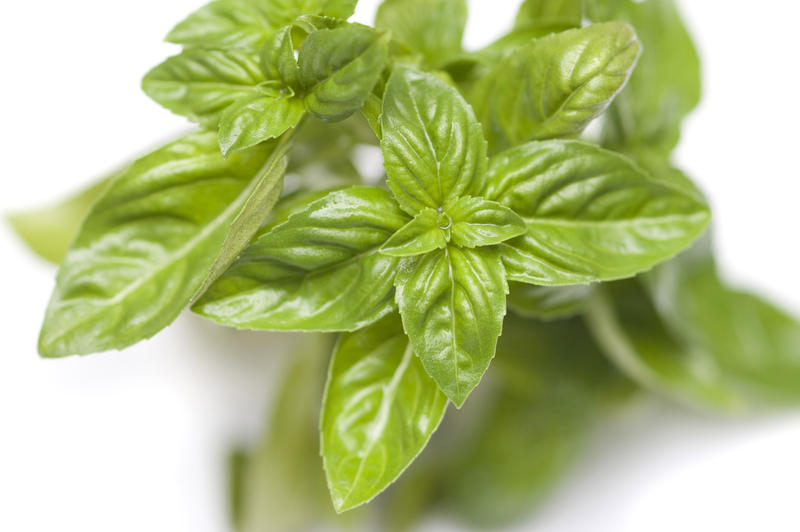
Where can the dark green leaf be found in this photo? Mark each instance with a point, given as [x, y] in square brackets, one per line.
[379, 411]
[200, 84]
[247, 23]
[339, 67]
[49, 230]
[173, 221]
[592, 215]
[553, 15]
[254, 119]
[432, 144]
[320, 270]
[556, 85]
[548, 302]
[452, 303]
[480, 222]
[424, 233]
[433, 28]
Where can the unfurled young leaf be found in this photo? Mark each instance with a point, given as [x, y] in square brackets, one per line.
[426, 232]
[200, 84]
[318, 271]
[338, 69]
[49, 230]
[552, 15]
[452, 302]
[257, 118]
[433, 28]
[480, 222]
[380, 409]
[548, 302]
[248, 23]
[278, 59]
[170, 222]
[554, 86]
[433, 147]
[592, 215]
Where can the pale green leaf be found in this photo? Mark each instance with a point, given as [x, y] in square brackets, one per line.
[339, 68]
[248, 23]
[201, 84]
[426, 232]
[432, 144]
[452, 303]
[380, 410]
[278, 60]
[592, 215]
[49, 230]
[320, 270]
[548, 302]
[480, 222]
[252, 120]
[173, 221]
[553, 15]
[554, 86]
[433, 28]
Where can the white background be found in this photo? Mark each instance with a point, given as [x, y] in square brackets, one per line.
[136, 440]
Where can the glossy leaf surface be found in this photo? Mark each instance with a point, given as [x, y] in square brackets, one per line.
[150, 244]
[556, 85]
[422, 234]
[433, 28]
[480, 222]
[379, 411]
[49, 230]
[320, 270]
[200, 84]
[252, 120]
[452, 303]
[248, 23]
[592, 214]
[339, 67]
[432, 144]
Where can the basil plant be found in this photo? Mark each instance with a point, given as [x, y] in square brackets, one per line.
[500, 234]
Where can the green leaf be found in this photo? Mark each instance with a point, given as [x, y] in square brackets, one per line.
[49, 230]
[339, 67]
[480, 222]
[252, 120]
[173, 221]
[318, 271]
[556, 85]
[278, 59]
[380, 410]
[426, 232]
[592, 215]
[200, 84]
[452, 303]
[666, 84]
[548, 302]
[432, 143]
[551, 385]
[433, 28]
[553, 15]
[248, 23]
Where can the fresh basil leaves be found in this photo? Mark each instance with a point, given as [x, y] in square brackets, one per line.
[488, 199]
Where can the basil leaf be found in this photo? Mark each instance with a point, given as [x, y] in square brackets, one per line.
[452, 303]
[278, 59]
[252, 120]
[592, 215]
[380, 410]
[248, 23]
[433, 28]
[554, 15]
[49, 230]
[422, 234]
[201, 84]
[480, 222]
[167, 225]
[548, 302]
[666, 84]
[339, 67]
[550, 386]
[432, 143]
[318, 271]
[556, 85]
